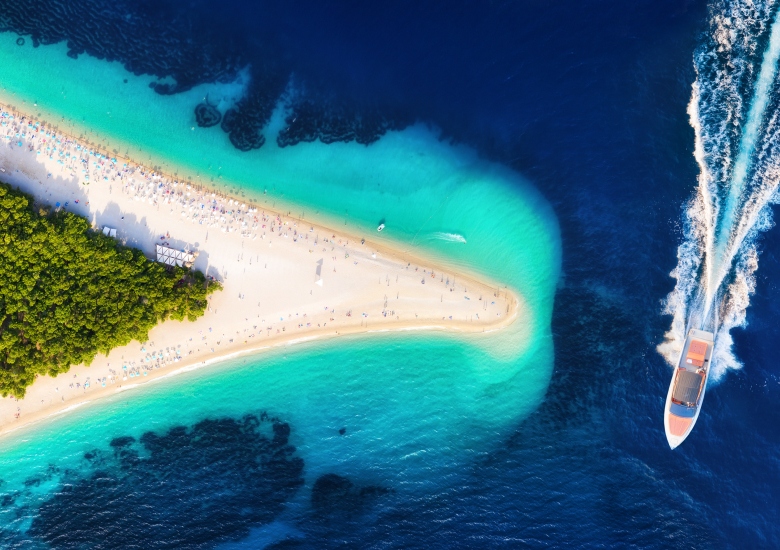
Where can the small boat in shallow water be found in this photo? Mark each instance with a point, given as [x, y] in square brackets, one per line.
[689, 382]
[381, 227]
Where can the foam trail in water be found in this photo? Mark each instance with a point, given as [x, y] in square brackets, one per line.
[448, 237]
[727, 242]
[738, 155]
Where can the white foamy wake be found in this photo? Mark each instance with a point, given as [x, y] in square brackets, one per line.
[737, 148]
[449, 237]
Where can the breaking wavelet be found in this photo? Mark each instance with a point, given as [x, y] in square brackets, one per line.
[448, 237]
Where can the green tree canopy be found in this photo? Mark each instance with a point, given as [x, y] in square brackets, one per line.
[67, 292]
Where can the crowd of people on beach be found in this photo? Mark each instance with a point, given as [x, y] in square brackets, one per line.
[88, 165]
[200, 205]
[204, 207]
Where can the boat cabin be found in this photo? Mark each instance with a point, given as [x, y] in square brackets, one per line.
[688, 385]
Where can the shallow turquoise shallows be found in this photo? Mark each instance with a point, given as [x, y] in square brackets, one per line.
[413, 406]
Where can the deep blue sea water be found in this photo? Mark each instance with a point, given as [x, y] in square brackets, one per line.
[588, 101]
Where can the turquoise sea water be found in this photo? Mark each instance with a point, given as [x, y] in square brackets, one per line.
[586, 99]
[413, 406]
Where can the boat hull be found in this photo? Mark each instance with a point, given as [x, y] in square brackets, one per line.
[679, 426]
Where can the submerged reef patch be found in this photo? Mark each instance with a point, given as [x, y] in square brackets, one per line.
[330, 122]
[244, 122]
[333, 493]
[183, 47]
[119, 31]
[189, 487]
[207, 115]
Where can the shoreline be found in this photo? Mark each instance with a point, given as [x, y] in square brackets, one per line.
[279, 205]
[33, 420]
[28, 168]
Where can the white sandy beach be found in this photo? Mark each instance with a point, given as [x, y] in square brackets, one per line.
[284, 280]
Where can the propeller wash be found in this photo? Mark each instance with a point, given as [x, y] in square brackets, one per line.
[735, 113]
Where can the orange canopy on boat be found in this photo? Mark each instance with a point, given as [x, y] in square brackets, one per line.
[696, 353]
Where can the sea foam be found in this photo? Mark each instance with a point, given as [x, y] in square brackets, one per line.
[739, 161]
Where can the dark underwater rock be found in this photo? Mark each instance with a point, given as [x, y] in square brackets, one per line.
[120, 31]
[182, 48]
[46, 476]
[330, 491]
[331, 122]
[207, 115]
[191, 487]
[334, 493]
[245, 121]
[244, 133]
[123, 441]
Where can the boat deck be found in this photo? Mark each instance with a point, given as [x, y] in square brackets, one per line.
[688, 386]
